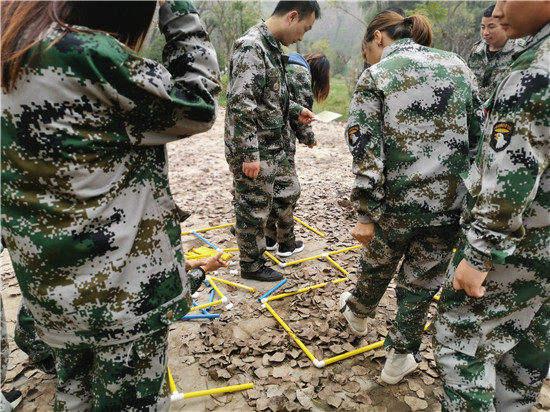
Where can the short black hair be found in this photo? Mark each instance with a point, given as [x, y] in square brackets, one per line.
[304, 8]
[489, 11]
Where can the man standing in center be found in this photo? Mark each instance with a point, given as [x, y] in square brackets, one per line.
[256, 126]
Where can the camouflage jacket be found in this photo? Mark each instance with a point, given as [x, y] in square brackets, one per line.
[414, 123]
[509, 210]
[87, 212]
[299, 82]
[258, 105]
[489, 73]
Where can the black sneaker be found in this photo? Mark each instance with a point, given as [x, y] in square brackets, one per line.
[285, 251]
[265, 274]
[13, 397]
[232, 230]
[270, 244]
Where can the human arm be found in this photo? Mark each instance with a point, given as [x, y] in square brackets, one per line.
[507, 175]
[160, 103]
[469, 279]
[299, 84]
[197, 269]
[365, 142]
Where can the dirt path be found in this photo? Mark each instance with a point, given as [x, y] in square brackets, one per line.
[246, 344]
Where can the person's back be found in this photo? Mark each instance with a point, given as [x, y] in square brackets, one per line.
[427, 109]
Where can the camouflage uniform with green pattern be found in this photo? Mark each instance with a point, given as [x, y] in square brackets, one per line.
[87, 212]
[493, 352]
[413, 127]
[490, 71]
[4, 353]
[299, 84]
[256, 128]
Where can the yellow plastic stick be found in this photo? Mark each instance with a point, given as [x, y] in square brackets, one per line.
[206, 305]
[237, 285]
[295, 262]
[171, 381]
[353, 352]
[273, 258]
[207, 229]
[214, 286]
[340, 268]
[231, 249]
[308, 226]
[218, 390]
[289, 331]
[345, 249]
[320, 285]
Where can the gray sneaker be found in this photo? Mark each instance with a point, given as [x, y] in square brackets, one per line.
[397, 366]
[357, 325]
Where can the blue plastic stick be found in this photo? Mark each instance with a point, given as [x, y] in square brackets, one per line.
[212, 293]
[269, 292]
[202, 310]
[204, 240]
[208, 316]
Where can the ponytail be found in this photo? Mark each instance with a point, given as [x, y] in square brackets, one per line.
[397, 27]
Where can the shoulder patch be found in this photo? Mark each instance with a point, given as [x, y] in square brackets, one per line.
[353, 135]
[501, 136]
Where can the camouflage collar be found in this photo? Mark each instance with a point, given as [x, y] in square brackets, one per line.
[540, 35]
[264, 31]
[396, 45]
[511, 46]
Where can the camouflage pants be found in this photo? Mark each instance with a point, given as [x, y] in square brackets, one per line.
[253, 203]
[280, 224]
[125, 377]
[425, 253]
[27, 339]
[4, 355]
[493, 353]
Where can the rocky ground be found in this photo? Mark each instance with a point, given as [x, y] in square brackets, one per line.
[246, 344]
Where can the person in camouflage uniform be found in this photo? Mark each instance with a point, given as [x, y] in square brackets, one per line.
[256, 126]
[308, 79]
[87, 212]
[490, 57]
[414, 123]
[492, 329]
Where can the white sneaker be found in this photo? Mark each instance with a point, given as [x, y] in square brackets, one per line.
[397, 366]
[357, 325]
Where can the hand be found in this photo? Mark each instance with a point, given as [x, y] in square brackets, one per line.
[213, 262]
[311, 146]
[306, 116]
[363, 232]
[161, 2]
[251, 169]
[469, 279]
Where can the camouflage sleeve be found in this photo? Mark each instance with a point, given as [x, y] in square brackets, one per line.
[160, 103]
[301, 93]
[476, 119]
[365, 141]
[244, 95]
[508, 172]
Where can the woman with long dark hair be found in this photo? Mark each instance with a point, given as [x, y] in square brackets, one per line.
[87, 213]
[413, 127]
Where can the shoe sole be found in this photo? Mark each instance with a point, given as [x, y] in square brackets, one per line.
[358, 333]
[392, 380]
[270, 248]
[290, 253]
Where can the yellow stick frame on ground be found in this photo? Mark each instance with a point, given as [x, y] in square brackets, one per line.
[309, 227]
[320, 285]
[177, 396]
[237, 285]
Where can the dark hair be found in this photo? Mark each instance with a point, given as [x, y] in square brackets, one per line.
[489, 11]
[398, 27]
[397, 10]
[320, 75]
[304, 8]
[24, 24]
